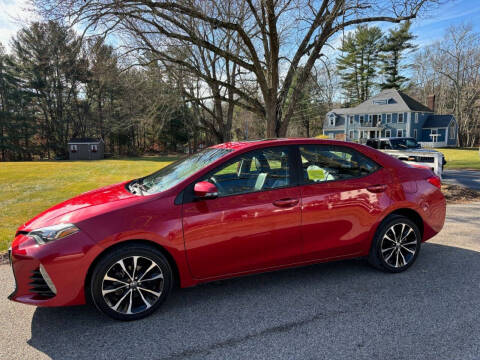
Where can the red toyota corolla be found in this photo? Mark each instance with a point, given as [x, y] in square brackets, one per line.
[233, 209]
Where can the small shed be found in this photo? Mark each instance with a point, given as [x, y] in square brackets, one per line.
[86, 149]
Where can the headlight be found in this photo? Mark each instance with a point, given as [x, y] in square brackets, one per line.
[52, 233]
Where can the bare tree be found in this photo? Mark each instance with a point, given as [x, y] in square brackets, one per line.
[451, 70]
[279, 40]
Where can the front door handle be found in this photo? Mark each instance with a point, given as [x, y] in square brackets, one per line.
[285, 202]
[377, 188]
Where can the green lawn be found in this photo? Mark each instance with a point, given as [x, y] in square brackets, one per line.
[461, 158]
[27, 188]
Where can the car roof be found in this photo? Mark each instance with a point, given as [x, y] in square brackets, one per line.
[252, 144]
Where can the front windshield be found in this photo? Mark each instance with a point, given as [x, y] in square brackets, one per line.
[178, 171]
[404, 144]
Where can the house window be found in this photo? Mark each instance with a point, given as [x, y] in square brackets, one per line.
[415, 133]
[351, 134]
[73, 148]
[388, 133]
[350, 119]
[416, 118]
[400, 133]
[370, 117]
[93, 148]
[451, 131]
[400, 117]
[380, 102]
[331, 121]
[434, 131]
[361, 119]
[388, 118]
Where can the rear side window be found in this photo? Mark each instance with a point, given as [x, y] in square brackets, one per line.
[323, 163]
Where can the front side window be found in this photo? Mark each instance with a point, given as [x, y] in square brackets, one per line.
[401, 144]
[388, 133]
[385, 145]
[180, 170]
[416, 118]
[389, 118]
[258, 170]
[400, 117]
[332, 120]
[322, 163]
[360, 119]
[399, 133]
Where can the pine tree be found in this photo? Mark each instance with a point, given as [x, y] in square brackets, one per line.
[396, 45]
[358, 65]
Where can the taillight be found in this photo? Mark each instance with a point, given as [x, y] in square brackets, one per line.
[435, 181]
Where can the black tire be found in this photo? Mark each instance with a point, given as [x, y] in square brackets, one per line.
[141, 296]
[402, 256]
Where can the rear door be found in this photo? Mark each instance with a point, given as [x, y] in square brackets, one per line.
[255, 221]
[342, 196]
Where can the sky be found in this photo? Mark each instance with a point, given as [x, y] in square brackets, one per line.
[429, 28]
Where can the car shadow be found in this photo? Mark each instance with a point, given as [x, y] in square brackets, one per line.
[345, 306]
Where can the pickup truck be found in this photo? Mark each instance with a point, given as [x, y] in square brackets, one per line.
[407, 149]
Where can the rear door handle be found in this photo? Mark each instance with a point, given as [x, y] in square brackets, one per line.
[285, 202]
[377, 188]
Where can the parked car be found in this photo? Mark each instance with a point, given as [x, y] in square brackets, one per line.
[233, 209]
[409, 150]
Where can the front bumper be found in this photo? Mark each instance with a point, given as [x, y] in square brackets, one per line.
[52, 274]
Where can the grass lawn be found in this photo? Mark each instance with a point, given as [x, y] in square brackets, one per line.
[27, 188]
[461, 158]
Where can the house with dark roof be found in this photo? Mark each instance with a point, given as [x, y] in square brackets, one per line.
[86, 149]
[392, 113]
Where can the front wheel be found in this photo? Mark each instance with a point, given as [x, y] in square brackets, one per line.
[396, 244]
[131, 282]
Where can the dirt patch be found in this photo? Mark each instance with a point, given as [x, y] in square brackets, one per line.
[459, 194]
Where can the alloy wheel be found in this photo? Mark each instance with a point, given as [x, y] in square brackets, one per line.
[399, 245]
[132, 285]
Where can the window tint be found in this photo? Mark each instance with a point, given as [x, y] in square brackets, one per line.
[254, 171]
[385, 145]
[372, 143]
[328, 163]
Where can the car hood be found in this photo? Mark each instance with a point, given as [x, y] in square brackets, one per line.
[86, 205]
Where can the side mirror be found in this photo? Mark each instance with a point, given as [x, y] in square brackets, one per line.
[205, 190]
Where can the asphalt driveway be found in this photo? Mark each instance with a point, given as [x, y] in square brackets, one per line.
[341, 310]
[467, 178]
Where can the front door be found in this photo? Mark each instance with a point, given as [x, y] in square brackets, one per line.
[339, 204]
[253, 224]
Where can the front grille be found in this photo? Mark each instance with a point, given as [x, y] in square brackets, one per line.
[39, 285]
[425, 159]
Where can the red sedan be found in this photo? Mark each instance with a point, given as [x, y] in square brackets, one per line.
[233, 209]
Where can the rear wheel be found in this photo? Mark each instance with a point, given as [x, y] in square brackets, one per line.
[396, 244]
[131, 282]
